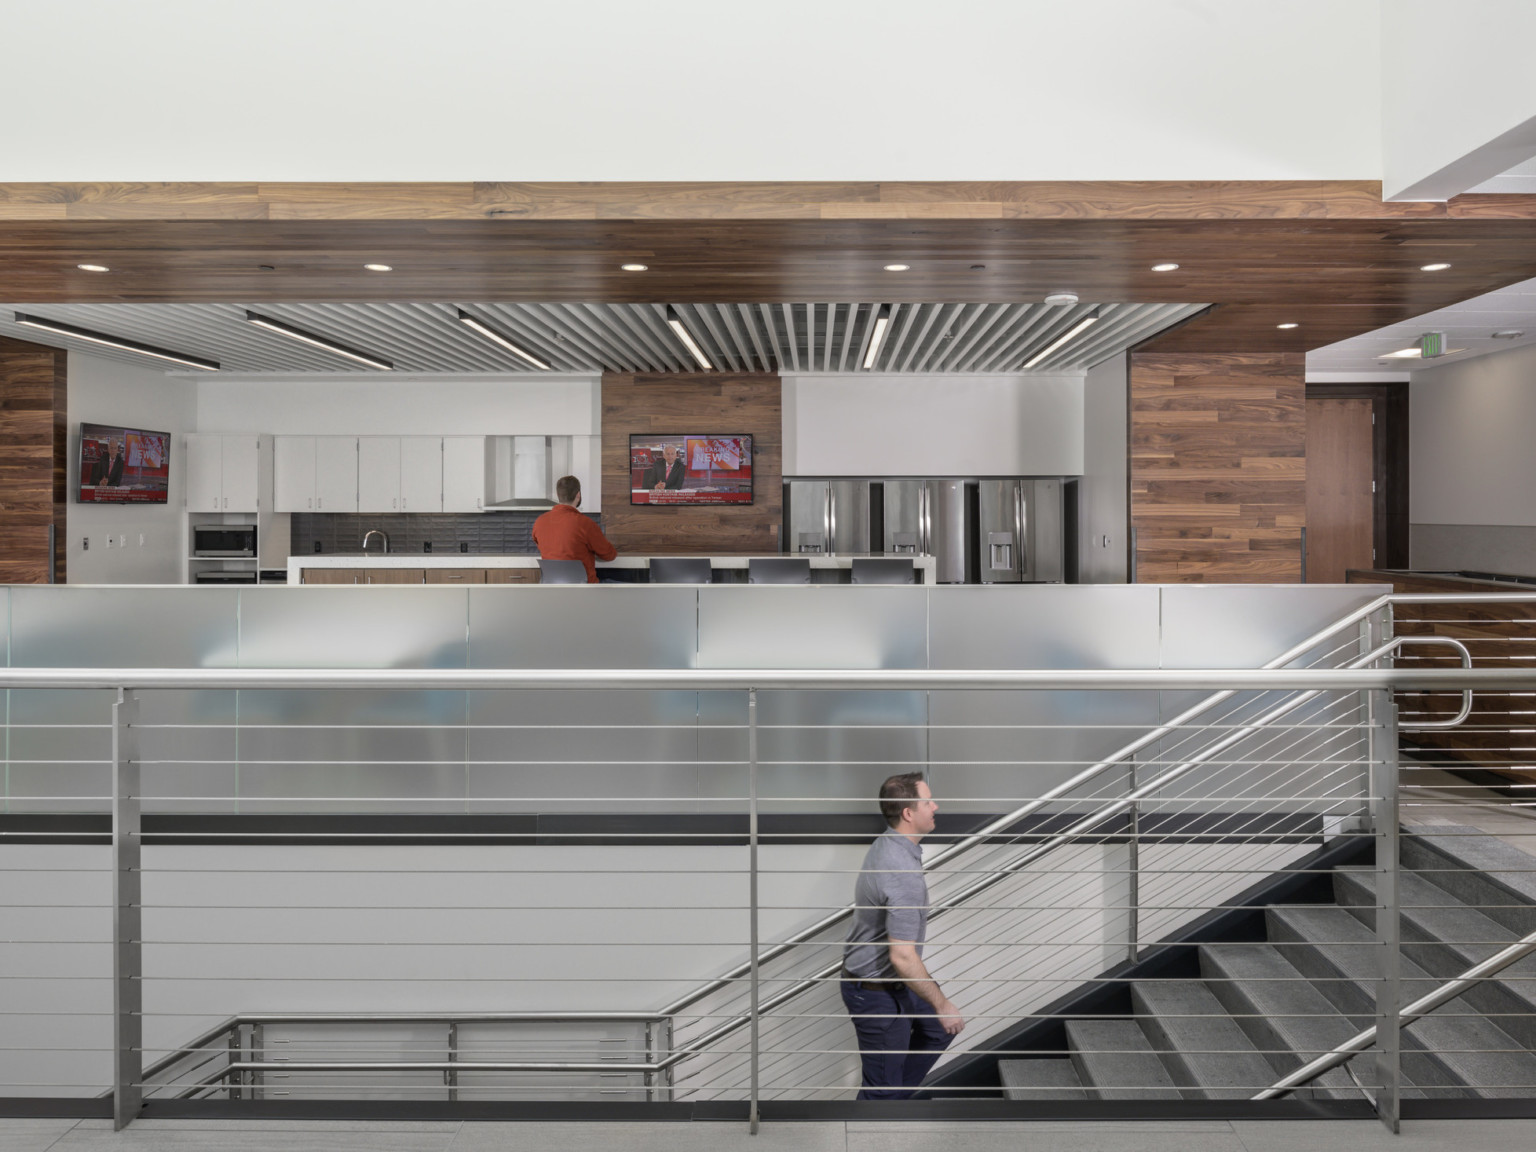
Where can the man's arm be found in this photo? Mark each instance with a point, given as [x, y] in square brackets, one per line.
[909, 966]
[601, 548]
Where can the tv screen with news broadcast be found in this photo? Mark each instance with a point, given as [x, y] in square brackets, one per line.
[690, 469]
[124, 465]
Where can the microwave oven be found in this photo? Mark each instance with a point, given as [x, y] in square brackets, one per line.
[223, 539]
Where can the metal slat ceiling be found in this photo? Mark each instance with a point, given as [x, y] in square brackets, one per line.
[427, 337]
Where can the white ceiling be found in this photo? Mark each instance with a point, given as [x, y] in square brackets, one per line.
[1468, 326]
[920, 338]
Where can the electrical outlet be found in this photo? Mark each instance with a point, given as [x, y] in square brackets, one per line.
[109, 541]
[85, 543]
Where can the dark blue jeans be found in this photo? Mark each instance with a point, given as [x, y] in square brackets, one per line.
[900, 1039]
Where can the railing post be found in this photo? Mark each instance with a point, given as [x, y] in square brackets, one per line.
[127, 915]
[752, 1114]
[1385, 824]
[1133, 870]
[451, 1075]
[234, 1079]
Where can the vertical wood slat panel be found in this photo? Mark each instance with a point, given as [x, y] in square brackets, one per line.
[723, 403]
[1218, 446]
[34, 466]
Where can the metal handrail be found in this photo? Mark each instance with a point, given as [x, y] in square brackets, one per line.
[1417, 1010]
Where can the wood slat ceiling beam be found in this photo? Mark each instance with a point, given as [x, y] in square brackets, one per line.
[1329, 256]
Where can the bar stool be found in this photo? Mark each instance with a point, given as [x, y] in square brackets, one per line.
[681, 570]
[778, 570]
[884, 570]
[562, 572]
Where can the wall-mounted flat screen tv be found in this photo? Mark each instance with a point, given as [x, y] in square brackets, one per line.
[124, 465]
[690, 469]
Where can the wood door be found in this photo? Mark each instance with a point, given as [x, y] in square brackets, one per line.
[1341, 465]
[334, 575]
[511, 575]
[455, 575]
[396, 576]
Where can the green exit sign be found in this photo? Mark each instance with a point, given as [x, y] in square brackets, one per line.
[1431, 344]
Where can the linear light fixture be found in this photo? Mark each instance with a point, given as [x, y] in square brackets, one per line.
[1082, 325]
[283, 328]
[496, 337]
[877, 337]
[686, 337]
[116, 342]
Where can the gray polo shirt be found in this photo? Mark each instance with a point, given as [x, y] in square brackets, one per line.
[892, 899]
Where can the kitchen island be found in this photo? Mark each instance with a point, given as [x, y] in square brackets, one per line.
[520, 568]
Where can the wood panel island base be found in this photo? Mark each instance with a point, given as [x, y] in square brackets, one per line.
[484, 568]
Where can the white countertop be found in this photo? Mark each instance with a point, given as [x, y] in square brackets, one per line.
[296, 564]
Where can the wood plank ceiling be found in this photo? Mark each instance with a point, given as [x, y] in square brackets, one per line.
[1330, 257]
[829, 337]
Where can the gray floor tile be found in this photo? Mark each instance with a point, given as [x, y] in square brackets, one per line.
[703, 1136]
[1365, 1135]
[1057, 1136]
[170, 1136]
[32, 1135]
[434, 1127]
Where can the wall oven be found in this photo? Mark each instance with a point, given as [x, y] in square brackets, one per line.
[223, 539]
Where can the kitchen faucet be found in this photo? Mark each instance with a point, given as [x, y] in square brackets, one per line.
[376, 532]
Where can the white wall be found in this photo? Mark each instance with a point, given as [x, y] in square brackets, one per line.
[1472, 467]
[487, 90]
[146, 544]
[366, 405]
[1103, 516]
[1458, 106]
[871, 425]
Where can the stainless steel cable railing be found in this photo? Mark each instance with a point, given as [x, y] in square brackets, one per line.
[1298, 744]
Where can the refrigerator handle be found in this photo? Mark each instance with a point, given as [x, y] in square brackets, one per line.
[831, 518]
[1020, 518]
[922, 517]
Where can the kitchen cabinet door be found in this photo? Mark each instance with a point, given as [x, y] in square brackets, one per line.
[455, 575]
[205, 473]
[239, 472]
[335, 575]
[464, 473]
[336, 474]
[421, 474]
[378, 474]
[395, 576]
[293, 463]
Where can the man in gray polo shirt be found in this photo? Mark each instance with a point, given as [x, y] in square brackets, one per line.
[903, 1021]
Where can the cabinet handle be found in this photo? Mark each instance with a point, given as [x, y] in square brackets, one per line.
[319, 502]
[226, 501]
[402, 504]
[477, 502]
[394, 502]
[309, 502]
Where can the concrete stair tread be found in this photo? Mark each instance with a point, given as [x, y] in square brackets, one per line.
[1204, 1049]
[1284, 1015]
[1040, 1079]
[1115, 1061]
[1472, 1050]
[1478, 869]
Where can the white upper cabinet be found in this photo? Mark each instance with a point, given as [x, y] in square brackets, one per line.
[421, 474]
[378, 474]
[293, 474]
[464, 472]
[223, 473]
[336, 472]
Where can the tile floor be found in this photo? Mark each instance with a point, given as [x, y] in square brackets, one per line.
[954, 1136]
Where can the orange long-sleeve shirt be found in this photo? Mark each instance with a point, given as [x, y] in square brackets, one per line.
[563, 533]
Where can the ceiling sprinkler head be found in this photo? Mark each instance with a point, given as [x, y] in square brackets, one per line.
[1061, 298]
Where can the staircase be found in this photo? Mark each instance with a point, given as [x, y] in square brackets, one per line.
[1259, 1009]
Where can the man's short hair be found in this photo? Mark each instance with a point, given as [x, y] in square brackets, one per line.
[896, 795]
[567, 488]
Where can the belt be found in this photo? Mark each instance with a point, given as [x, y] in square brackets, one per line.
[891, 986]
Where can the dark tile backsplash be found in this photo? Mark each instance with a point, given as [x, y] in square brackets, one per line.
[342, 533]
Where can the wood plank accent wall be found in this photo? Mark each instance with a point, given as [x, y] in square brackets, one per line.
[34, 444]
[717, 402]
[1218, 467]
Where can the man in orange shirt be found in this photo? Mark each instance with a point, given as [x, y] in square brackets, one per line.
[563, 533]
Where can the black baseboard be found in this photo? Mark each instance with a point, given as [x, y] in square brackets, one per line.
[55, 1107]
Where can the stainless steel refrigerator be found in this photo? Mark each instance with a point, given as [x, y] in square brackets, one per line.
[927, 517]
[829, 516]
[1019, 531]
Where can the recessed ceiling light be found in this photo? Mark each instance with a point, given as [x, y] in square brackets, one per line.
[93, 267]
[1165, 267]
[1433, 267]
[1289, 324]
[1509, 334]
[635, 267]
[1406, 354]
[378, 267]
[1058, 299]
[897, 267]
